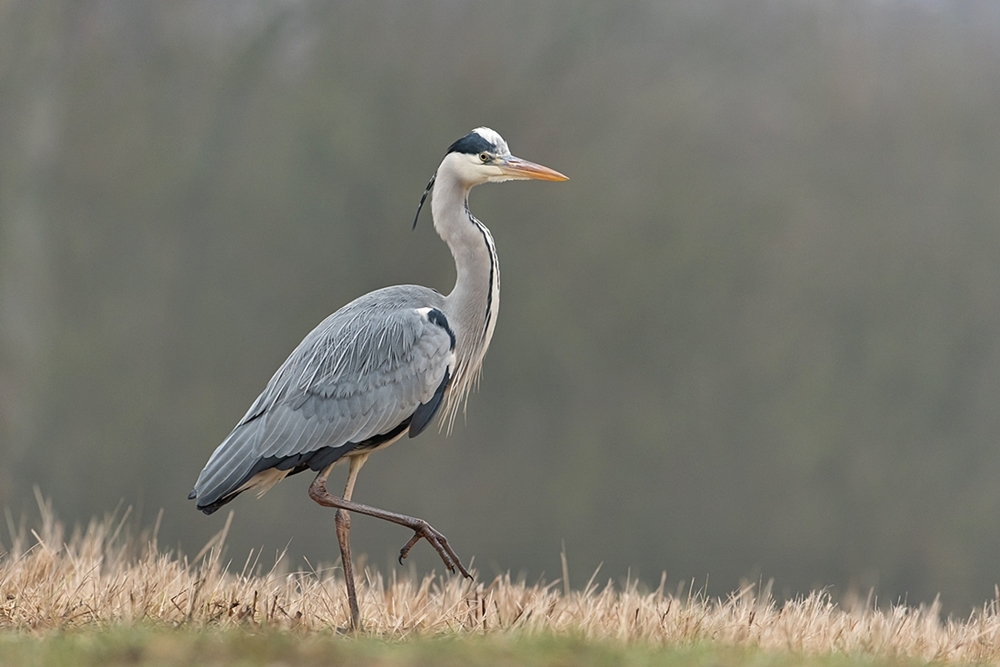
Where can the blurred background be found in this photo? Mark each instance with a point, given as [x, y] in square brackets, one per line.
[756, 335]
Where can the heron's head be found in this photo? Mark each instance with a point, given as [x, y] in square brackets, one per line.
[482, 156]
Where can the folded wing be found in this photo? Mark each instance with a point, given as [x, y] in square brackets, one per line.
[356, 381]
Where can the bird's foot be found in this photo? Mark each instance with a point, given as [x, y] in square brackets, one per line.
[440, 543]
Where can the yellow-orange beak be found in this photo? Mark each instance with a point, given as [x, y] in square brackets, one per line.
[515, 167]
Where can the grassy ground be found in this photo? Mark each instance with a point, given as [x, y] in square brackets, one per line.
[100, 597]
[161, 647]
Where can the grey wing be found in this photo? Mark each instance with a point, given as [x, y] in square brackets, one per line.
[361, 378]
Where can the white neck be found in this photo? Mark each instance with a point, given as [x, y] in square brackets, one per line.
[472, 306]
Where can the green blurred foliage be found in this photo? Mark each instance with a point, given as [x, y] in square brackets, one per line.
[754, 336]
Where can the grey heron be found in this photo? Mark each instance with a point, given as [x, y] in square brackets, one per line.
[380, 367]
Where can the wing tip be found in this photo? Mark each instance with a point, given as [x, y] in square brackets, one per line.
[211, 505]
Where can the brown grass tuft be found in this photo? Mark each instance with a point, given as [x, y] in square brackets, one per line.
[101, 577]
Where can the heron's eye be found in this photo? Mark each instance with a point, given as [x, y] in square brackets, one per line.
[485, 157]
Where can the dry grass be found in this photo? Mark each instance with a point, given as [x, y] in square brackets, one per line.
[101, 578]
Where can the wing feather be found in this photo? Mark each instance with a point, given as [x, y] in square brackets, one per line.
[360, 374]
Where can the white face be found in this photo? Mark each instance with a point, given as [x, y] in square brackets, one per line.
[482, 167]
[493, 164]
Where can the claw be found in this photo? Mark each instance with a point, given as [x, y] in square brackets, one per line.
[405, 551]
[440, 544]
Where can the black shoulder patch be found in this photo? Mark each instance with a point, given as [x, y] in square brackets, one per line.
[435, 316]
[471, 144]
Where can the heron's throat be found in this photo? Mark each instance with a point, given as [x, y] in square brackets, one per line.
[472, 305]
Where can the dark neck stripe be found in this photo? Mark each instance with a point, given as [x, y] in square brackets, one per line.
[488, 240]
[493, 271]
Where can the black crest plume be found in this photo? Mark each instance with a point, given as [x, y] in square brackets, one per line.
[423, 198]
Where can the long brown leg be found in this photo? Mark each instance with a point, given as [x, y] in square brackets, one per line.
[342, 521]
[420, 528]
